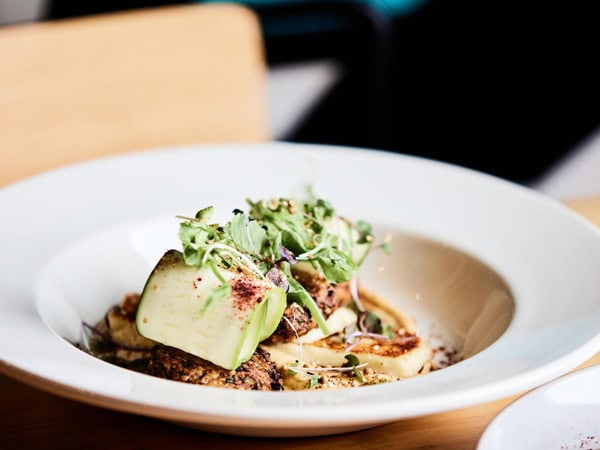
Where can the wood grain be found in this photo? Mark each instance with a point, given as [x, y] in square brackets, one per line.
[30, 418]
[81, 88]
[588, 207]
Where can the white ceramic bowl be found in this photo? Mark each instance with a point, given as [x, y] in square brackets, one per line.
[502, 273]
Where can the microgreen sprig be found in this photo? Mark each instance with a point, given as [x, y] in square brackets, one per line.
[278, 233]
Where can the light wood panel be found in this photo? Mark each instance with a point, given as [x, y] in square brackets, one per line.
[81, 88]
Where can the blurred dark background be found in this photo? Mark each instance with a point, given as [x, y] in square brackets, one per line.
[503, 87]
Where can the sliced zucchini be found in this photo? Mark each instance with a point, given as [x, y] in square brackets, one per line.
[188, 308]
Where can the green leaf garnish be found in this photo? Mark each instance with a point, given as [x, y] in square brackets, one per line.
[386, 248]
[205, 214]
[298, 294]
[219, 293]
[277, 230]
[364, 230]
[369, 321]
[313, 381]
[292, 369]
[246, 235]
[336, 265]
[353, 361]
[388, 331]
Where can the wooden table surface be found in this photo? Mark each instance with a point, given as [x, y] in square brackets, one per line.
[31, 418]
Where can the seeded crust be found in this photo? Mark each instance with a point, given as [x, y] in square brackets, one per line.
[320, 289]
[299, 380]
[271, 373]
[298, 320]
[258, 373]
[401, 344]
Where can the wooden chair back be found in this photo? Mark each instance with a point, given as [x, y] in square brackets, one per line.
[81, 88]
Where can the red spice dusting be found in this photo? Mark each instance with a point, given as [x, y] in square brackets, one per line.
[246, 292]
[406, 341]
[586, 442]
[196, 281]
[444, 357]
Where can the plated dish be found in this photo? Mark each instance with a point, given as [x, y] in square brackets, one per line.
[562, 414]
[269, 300]
[489, 269]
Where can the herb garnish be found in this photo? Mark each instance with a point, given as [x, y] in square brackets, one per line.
[353, 362]
[278, 233]
[314, 380]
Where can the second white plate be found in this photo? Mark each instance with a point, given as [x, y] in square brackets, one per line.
[562, 415]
